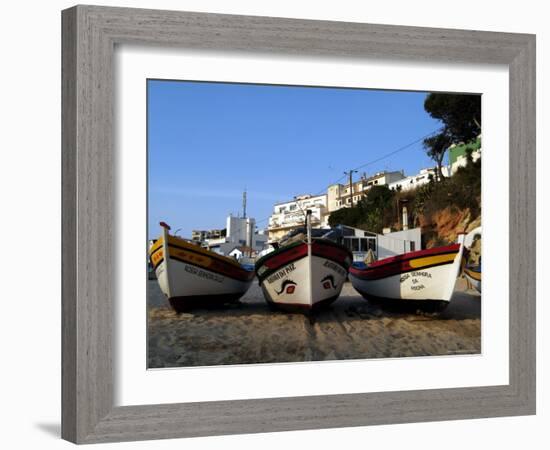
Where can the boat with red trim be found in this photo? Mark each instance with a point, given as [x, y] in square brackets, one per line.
[191, 276]
[304, 275]
[426, 276]
[472, 270]
[473, 275]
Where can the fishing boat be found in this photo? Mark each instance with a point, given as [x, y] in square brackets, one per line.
[192, 276]
[473, 275]
[472, 271]
[424, 277]
[303, 275]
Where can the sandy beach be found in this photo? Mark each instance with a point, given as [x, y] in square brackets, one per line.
[351, 329]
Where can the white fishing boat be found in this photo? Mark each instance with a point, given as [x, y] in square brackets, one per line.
[192, 276]
[473, 275]
[304, 275]
[425, 277]
[472, 272]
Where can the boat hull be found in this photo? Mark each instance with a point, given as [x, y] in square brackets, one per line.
[304, 277]
[473, 277]
[426, 276]
[192, 277]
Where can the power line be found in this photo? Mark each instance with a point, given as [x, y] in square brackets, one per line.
[387, 155]
[400, 149]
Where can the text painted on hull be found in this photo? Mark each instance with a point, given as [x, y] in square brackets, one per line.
[202, 274]
[335, 267]
[281, 273]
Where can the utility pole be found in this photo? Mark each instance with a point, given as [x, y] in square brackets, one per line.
[350, 173]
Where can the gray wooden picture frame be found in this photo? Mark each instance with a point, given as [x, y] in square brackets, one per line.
[90, 34]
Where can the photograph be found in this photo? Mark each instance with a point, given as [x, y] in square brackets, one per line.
[306, 223]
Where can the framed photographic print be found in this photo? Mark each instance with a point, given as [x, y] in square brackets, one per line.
[277, 224]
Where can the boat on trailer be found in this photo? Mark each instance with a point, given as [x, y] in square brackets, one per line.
[191, 276]
[424, 278]
[304, 275]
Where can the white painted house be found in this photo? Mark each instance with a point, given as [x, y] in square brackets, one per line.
[240, 232]
[342, 196]
[415, 181]
[359, 242]
[290, 215]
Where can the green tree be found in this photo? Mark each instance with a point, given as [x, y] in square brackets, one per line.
[377, 208]
[436, 146]
[371, 213]
[351, 217]
[459, 113]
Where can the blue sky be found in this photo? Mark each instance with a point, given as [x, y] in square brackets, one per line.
[207, 142]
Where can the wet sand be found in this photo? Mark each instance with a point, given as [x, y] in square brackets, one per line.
[351, 329]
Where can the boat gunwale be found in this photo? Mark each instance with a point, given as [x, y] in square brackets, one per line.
[447, 249]
[363, 275]
[473, 274]
[284, 248]
[294, 245]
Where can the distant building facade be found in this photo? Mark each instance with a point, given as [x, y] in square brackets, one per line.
[415, 181]
[239, 232]
[458, 154]
[341, 196]
[202, 235]
[359, 242]
[290, 215]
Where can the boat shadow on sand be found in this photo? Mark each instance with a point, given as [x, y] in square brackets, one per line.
[249, 332]
[463, 305]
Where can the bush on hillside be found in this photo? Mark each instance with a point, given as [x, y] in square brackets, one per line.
[381, 207]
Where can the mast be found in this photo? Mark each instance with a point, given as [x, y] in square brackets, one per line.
[308, 226]
[309, 257]
[244, 204]
[166, 255]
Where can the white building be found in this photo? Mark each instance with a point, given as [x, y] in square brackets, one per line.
[340, 195]
[398, 242]
[414, 181]
[240, 232]
[290, 215]
[359, 242]
[458, 155]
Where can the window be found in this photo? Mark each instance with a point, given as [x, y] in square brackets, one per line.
[412, 246]
[292, 207]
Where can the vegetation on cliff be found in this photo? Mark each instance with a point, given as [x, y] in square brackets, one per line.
[441, 209]
[444, 206]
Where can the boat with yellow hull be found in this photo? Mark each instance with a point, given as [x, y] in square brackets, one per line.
[191, 276]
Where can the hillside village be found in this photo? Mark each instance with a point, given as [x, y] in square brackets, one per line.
[405, 209]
